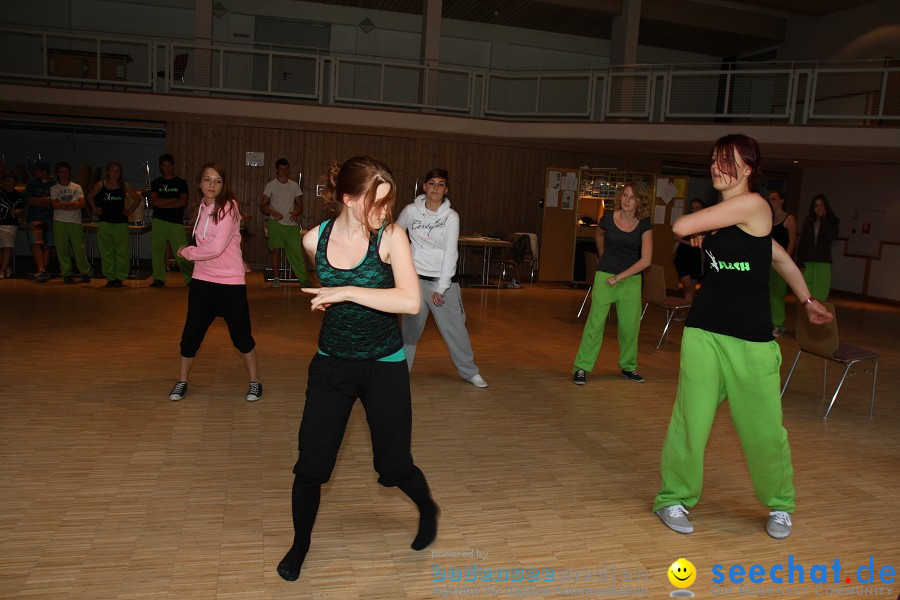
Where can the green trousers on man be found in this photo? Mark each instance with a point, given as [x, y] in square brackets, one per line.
[626, 295]
[713, 367]
[70, 234]
[162, 233]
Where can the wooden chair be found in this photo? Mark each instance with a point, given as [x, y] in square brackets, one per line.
[655, 294]
[823, 341]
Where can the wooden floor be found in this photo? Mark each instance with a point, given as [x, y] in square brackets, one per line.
[108, 490]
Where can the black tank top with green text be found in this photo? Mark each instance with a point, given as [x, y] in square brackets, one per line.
[350, 330]
[734, 297]
[111, 204]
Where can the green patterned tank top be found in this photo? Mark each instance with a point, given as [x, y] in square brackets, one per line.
[350, 330]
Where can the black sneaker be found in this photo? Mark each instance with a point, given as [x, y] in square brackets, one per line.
[579, 377]
[85, 279]
[632, 375]
[158, 283]
[69, 279]
[254, 392]
[110, 283]
[178, 391]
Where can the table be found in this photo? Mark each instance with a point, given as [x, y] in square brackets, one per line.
[135, 230]
[488, 244]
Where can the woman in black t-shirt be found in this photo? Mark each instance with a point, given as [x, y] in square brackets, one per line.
[625, 244]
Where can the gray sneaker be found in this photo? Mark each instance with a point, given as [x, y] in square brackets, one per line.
[779, 525]
[276, 282]
[675, 518]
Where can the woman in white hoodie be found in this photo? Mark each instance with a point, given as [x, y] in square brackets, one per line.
[433, 229]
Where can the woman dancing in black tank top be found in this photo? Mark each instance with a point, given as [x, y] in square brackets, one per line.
[367, 273]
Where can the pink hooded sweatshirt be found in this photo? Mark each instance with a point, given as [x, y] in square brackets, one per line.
[217, 256]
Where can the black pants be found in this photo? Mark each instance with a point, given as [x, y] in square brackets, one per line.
[206, 301]
[333, 385]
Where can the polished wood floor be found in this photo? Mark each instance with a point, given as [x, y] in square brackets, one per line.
[108, 490]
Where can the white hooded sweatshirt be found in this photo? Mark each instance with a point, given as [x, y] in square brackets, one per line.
[434, 237]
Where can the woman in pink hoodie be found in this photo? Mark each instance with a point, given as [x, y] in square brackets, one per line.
[217, 286]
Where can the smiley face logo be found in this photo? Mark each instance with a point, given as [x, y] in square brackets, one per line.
[682, 573]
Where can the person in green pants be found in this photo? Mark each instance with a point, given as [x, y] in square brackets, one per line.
[282, 202]
[784, 231]
[820, 228]
[728, 351]
[624, 240]
[168, 197]
[67, 200]
[107, 199]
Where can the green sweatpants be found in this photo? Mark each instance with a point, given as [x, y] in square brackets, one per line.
[115, 255]
[67, 234]
[627, 297]
[818, 279]
[714, 366]
[162, 233]
[777, 291]
[288, 237]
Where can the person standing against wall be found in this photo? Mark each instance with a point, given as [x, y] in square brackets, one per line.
[39, 217]
[282, 201]
[820, 228]
[67, 199]
[784, 231]
[169, 198]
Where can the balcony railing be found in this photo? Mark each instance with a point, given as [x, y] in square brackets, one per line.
[797, 94]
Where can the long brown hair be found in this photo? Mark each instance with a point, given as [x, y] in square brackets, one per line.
[223, 202]
[359, 177]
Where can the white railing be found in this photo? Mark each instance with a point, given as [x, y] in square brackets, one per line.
[790, 94]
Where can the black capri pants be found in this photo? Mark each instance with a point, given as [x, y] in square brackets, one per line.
[206, 301]
[332, 387]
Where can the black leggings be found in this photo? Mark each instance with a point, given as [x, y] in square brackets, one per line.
[333, 385]
[206, 301]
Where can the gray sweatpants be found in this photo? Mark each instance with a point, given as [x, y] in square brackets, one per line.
[451, 322]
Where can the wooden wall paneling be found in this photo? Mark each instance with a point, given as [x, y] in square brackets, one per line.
[495, 184]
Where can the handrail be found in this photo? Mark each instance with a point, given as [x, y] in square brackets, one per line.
[795, 93]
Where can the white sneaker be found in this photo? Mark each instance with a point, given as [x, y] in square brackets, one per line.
[478, 381]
